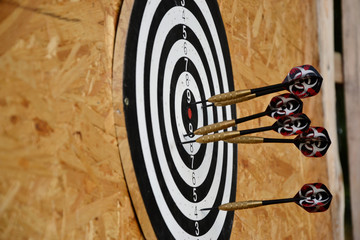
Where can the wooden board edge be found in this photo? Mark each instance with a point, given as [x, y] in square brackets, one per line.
[119, 117]
[325, 14]
[351, 61]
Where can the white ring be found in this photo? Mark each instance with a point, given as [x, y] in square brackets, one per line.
[172, 17]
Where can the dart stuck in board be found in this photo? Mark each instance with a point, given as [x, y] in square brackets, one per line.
[303, 81]
[313, 143]
[312, 197]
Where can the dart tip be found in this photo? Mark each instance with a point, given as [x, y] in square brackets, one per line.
[189, 134]
[208, 209]
[208, 105]
[202, 102]
[191, 141]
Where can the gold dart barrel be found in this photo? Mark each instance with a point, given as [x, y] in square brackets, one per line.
[245, 139]
[235, 100]
[240, 205]
[217, 137]
[215, 127]
[229, 95]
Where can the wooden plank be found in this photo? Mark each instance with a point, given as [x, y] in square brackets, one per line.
[338, 69]
[327, 68]
[351, 58]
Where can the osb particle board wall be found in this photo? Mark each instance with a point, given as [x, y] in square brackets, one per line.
[60, 170]
[61, 176]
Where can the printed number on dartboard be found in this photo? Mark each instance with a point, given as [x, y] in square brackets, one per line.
[190, 126]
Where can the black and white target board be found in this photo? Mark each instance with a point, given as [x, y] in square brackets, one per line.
[175, 53]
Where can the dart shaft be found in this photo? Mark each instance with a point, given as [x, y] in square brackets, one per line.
[245, 139]
[284, 200]
[296, 140]
[255, 130]
[267, 88]
[254, 116]
[279, 140]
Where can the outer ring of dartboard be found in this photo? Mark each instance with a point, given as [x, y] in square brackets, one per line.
[154, 121]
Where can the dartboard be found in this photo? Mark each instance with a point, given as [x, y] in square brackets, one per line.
[176, 55]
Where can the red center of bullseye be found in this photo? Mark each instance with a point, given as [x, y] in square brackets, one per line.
[189, 113]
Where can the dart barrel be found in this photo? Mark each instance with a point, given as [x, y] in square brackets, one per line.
[245, 139]
[229, 96]
[214, 127]
[240, 205]
[235, 100]
[217, 137]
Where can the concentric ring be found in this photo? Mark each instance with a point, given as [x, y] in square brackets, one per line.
[177, 48]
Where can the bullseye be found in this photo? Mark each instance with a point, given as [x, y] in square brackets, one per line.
[189, 113]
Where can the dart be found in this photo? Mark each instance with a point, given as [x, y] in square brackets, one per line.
[312, 197]
[314, 142]
[285, 125]
[282, 105]
[302, 81]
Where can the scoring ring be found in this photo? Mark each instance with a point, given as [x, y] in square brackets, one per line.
[175, 181]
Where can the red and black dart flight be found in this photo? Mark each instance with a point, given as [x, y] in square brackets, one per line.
[312, 197]
[284, 105]
[317, 197]
[302, 81]
[279, 106]
[317, 146]
[286, 126]
[314, 142]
